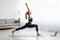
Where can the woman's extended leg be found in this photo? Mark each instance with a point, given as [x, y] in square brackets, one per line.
[18, 29]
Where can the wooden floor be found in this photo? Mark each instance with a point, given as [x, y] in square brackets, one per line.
[27, 34]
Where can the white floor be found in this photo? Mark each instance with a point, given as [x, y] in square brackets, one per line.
[27, 34]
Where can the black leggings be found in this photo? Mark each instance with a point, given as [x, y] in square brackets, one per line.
[28, 26]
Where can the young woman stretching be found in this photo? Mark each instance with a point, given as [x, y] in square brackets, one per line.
[29, 23]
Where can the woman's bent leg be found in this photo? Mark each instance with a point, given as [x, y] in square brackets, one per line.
[36, 26]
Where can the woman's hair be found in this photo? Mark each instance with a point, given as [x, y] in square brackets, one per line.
[26, 16]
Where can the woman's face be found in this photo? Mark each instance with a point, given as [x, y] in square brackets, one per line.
[28, 13]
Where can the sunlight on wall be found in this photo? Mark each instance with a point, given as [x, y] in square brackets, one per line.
[43, 11]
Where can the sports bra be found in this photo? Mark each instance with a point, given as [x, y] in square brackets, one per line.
[30, 20]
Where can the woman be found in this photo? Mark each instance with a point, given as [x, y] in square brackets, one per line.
[29, 23]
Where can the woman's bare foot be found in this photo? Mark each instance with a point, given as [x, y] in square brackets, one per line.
[38, 35]
[13, 32]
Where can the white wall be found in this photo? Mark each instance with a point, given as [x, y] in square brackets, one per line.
[50, 15]
[8, 9]
[45, 13]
